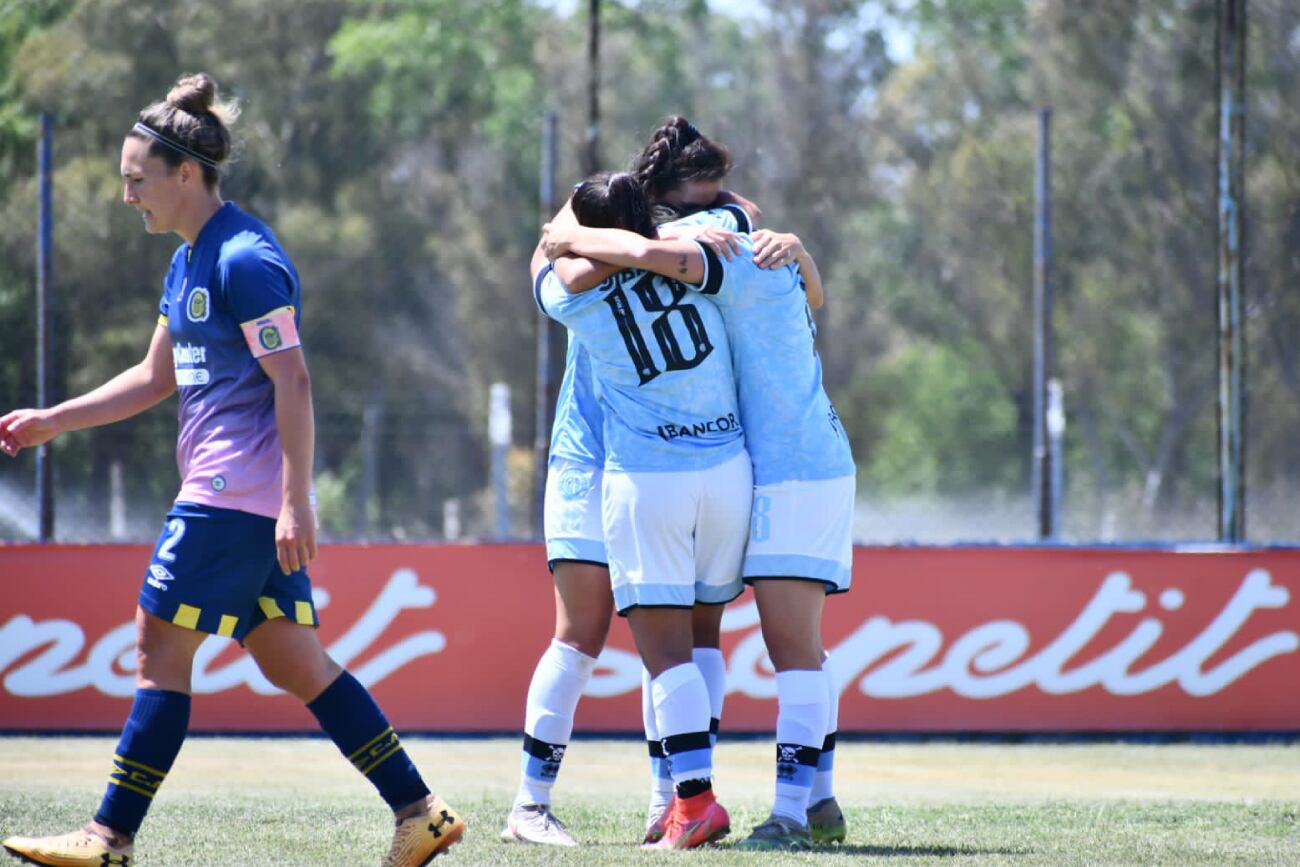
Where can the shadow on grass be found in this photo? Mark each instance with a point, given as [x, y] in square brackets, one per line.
[920, 851]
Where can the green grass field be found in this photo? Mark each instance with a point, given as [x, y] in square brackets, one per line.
[277, 802]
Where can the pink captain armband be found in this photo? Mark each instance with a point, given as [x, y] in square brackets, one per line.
[273, 332]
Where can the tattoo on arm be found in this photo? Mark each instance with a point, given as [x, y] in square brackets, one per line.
[681, 264]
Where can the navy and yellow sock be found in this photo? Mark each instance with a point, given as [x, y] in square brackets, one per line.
[150, 740]
[348, 714]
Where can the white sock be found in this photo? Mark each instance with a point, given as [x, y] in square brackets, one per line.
[823, 784]
[713, 666]
[558, 681]
[661, 779]
[800, 730]
[682, 716]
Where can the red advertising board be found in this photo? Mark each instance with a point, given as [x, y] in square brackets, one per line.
[929, 640]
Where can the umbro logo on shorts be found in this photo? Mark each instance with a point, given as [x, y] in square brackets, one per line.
[157, 575]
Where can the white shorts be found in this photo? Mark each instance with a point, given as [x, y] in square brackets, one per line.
[803, 530]
[675, 539]
[571, 513]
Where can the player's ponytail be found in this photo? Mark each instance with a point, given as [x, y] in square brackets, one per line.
[653, 169]
[678, 153]
[192, 123]
[613, 201]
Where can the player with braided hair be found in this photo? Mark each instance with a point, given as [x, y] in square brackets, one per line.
[800, 546]
[684, 169]
[674, 469]
[575, 541]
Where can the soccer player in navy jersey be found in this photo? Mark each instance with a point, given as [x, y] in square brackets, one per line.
[231, 559]
[800, 545]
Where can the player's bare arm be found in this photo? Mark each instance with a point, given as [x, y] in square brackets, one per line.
[129, 393]
[722, 241]
[675, 258]
[576, 273]
[778, 249]
[295, 530]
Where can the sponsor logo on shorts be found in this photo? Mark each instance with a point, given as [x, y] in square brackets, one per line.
[269, 337]
[157, 576]
[722, 424]
[575, 484]
[218, 483]
[199, 306]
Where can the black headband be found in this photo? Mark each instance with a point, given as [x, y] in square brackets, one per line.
[174, 145]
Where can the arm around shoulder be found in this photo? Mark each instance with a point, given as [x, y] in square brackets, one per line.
[675, 258]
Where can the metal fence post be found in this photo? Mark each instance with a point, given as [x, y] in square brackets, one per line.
[1231, 81]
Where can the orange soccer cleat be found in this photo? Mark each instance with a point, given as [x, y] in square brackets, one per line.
[693, 822]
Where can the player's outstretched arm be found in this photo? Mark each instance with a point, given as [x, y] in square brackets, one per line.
[722, 241]
[812, 280]
[295, 531]
[778, 249]
[678, 259]
[129, 393]
[576, 273]
[538, 261]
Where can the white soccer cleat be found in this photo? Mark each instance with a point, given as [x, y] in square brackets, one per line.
[657, 820]
[535, 823]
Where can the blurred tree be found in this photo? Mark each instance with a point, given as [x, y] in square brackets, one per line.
[1272, 268]
[394, 146]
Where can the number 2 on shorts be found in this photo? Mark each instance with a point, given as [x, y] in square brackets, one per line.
[176, 527]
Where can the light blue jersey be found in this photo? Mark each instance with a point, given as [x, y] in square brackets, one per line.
[730, 217]
[662, 368]
[791, 429]
[576, 433]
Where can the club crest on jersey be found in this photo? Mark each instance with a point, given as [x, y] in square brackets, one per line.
[218, 483]
[269, 337]
[157, 575]
[574, 484]
[199, 306]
